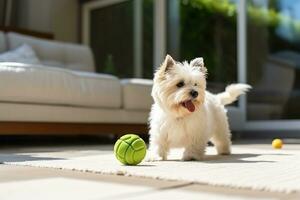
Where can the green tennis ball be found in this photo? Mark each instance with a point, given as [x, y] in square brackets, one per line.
[130, 149]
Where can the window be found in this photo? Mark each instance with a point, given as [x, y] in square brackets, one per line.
[273, 59]
[111, 36]
[120, 34]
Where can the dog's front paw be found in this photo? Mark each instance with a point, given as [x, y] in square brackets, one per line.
[152, 157]
[224, 153]
[224, 150]
[186, 158]
[192, 156]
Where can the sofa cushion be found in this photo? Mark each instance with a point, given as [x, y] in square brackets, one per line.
[137, 94]
[2, 42]
[59, 54]
[22, 54]
[49, 85]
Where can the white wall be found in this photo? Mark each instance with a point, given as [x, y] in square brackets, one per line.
[59, 17]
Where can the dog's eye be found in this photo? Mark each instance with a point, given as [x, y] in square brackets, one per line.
[180, 84]
[195, 84]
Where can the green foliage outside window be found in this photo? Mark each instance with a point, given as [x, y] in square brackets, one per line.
[208, 29]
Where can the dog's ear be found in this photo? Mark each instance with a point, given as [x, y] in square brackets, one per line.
[165, 67]
[199, 62]
[168, 64]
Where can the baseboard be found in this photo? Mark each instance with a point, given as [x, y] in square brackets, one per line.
[45, 128]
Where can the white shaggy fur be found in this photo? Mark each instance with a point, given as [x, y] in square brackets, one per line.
[174, 122]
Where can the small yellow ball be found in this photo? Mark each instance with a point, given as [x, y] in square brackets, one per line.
[277, 144]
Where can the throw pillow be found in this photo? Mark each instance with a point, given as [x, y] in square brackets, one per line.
[22, 54]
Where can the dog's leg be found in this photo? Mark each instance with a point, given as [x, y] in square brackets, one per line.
[158, 148]
[221, 139]
[195, 151]
[163, 150]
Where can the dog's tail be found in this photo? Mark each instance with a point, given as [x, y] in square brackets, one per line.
[232, 92]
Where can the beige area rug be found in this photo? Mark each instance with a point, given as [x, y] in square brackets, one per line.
[258, 169]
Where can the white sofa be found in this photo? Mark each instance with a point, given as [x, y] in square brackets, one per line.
[64, 88]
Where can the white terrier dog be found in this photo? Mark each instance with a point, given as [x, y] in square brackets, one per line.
[185, 114]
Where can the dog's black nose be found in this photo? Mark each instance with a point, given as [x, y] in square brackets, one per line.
[194, 93]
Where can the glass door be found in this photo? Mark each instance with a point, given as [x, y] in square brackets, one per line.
[273, 64]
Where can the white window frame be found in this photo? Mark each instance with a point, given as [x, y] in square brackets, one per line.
[159, 28]
[242, 56]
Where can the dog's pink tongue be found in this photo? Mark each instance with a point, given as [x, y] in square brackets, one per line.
[189, 105]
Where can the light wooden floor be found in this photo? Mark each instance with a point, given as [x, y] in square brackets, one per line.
[42, 183]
